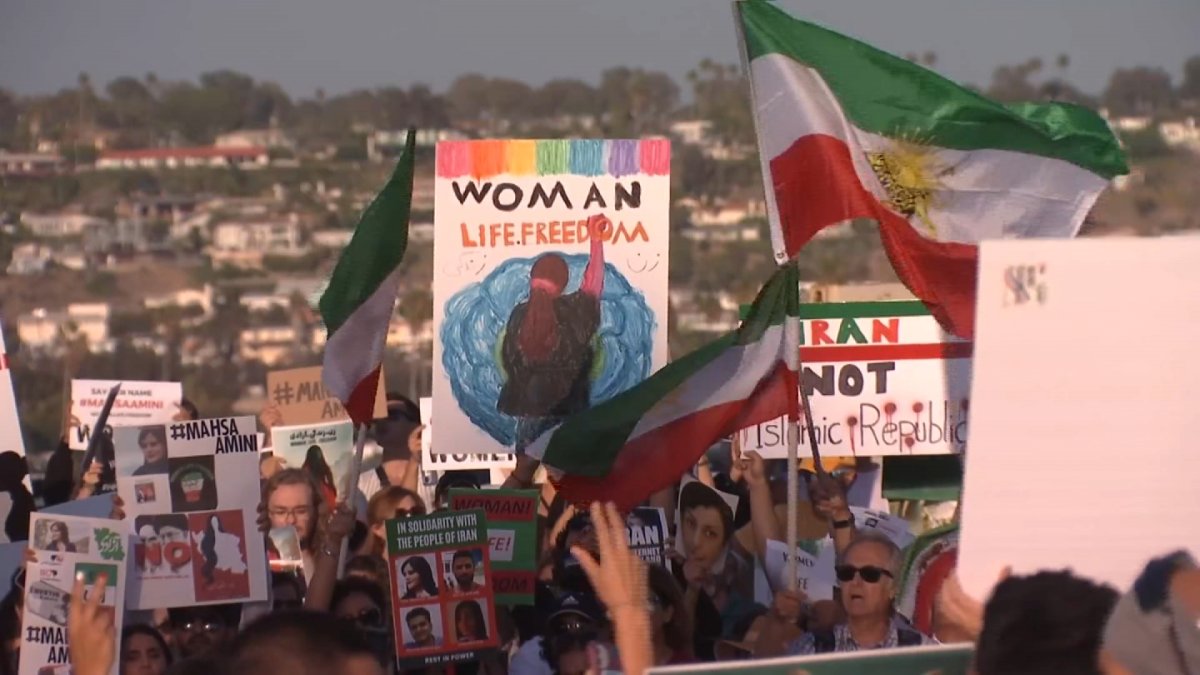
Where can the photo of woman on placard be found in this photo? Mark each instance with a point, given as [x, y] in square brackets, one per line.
[316, 466]
[59, 538]
[419, 581]
[547, 350]
[153, 443]
[469, 624]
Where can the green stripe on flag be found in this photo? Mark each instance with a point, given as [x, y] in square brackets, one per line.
[887, 95]
[377, 247]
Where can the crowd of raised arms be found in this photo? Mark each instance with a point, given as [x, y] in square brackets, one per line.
[598, 605]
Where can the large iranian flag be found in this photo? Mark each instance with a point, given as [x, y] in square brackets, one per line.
[642, 440]
[361, 297]
[847, 131]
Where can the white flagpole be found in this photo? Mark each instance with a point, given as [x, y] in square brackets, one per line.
[347, 494]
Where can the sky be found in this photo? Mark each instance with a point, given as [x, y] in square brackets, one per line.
[342, 45]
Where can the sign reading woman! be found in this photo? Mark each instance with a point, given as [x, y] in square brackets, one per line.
[550, 283]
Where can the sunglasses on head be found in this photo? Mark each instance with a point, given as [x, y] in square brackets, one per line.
[869, 573]
[367, 618]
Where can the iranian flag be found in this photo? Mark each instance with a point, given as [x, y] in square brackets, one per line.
[361, 297]
[642, 440]
[847, 131]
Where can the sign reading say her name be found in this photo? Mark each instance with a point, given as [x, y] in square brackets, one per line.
[138, 403]
[191, 495]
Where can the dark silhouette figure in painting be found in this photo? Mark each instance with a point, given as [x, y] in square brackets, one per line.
[547, 350]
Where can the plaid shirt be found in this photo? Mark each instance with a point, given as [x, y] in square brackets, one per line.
[844, 642]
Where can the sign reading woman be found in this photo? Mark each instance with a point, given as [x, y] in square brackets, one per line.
[550, 282]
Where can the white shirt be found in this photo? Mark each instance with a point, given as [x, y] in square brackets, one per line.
[528, 660]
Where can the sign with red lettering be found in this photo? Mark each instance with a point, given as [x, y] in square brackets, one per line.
[550, 283]
[883, 378]
[138, 404]
[512, 519]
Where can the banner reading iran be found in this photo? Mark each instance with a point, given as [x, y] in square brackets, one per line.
[883, 378]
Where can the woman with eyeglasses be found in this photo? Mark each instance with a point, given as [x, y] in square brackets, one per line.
[866, 573]
[419, 581]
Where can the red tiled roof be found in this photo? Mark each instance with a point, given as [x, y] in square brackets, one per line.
[181, 153]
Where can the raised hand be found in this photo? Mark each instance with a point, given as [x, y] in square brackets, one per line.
[91, 635]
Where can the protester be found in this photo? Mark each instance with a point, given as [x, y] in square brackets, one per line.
[866, 572]
[1046, 623]
[291, 498]
[399, 436]
[12, 612]
[1155, 628]
[206, 630]
[13, 470]
[369, 567]
[391, 502]
[302, 643]
[144, 651]
[669, 619]
[576, 622]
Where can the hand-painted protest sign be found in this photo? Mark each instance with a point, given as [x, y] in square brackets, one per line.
[324, 451]
[512, 539]
[646, 532]
[814, 571]
[438, 623]
[66, 547]
[932, 660]
[882, 379]
[191, 493]
[447, 461]
[1060, 418]
[10, 423]
[301, 397]
[539, 314]
[138, 404]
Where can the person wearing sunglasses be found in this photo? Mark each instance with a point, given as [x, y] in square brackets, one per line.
[389, 503]
[866, 573]
[363, 604]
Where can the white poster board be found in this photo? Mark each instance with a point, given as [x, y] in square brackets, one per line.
[1075, 442]
[525, 335]
[191, 492]
[11, 439]
[65, 547]
[138, 404]
[883, 378]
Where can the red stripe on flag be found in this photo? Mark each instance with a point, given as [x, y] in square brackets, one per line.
[841, 353]
[361, 406]
[655, 460]
[816, 186]
[3, 361]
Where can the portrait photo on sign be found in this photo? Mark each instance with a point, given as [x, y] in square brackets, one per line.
[470, 621]
[193, 483]
[464, 571]
[422, 627]
[161, 547]
[48, 602]
[57, 535]
[219, 569]
[148, 457]
[416, 577]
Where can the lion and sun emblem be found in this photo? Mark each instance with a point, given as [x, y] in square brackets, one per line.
[911, 174]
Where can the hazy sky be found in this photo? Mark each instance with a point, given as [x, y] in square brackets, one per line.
[346, 44]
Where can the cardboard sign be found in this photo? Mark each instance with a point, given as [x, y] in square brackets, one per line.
[324, 451]
[512, 520]
[11, 439]
[1070, 432]
[302, 398]
[512, 289]
[138, 404]
[814, 573]
[443, 612]
[931, 660]
[191, 495]
[65, 547]
[646, 531]
[882, 379]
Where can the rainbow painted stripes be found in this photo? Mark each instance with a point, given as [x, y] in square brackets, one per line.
[581, 157]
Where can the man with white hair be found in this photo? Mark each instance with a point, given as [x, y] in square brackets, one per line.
[866, 573]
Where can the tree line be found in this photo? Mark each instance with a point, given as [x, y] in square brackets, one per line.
[148, 111]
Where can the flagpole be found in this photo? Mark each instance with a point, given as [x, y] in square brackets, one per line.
[793, 496]
[348, 491]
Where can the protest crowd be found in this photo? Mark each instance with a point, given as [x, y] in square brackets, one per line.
[637, 519]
